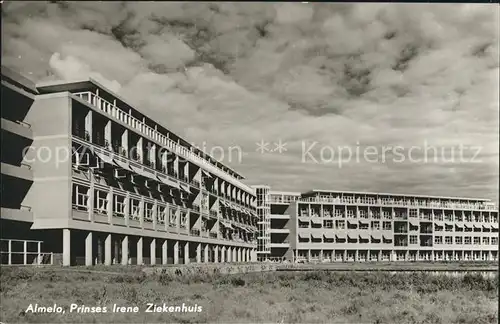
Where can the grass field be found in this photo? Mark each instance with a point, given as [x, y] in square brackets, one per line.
[305, 297]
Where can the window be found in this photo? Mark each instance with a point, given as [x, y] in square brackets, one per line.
[340, 224]
[459, 218]
[467, 240]
[148, 212]
[438, 240]
[375, 225]
[486, 240]
[328, 223]
[387, 214]
[173, 218]
[458, 240]
[413, 212]
[375, 214]
[101, 201]
[438, 217]
[135, 209]
[339, 213]
[118, 206]
[494, 240]
[387, 226]
[161, 215]
[363, 226]
[350, 213]
[448, 228]
[413, 239]
[80, 197]
[477, 240]
[363, 214]
[448, 240]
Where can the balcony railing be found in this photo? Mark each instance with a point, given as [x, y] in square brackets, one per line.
[124, 117]
[380, 202]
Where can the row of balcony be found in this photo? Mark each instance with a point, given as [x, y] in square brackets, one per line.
[233, 232]
[239, 207]
[351, 214]
[363, 255]
[118, 114]
[138, 208]
[401, 203]
[120, 153]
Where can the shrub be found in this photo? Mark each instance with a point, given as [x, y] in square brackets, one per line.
[237, 282]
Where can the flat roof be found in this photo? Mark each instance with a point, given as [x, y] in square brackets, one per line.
[87, 84]
[19, 80]
[391, 194]
[289, 193]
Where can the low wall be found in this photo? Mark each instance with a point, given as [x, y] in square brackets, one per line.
[220, 268]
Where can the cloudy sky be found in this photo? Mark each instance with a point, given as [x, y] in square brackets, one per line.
[356, 93]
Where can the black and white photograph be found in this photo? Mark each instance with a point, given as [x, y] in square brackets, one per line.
[249, 162]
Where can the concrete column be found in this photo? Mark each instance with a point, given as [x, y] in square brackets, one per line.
[66, 260]
[88, 249]
[205, 254]
[379, 258]
[356, 256]
[229, 254]
[107, 250]
[345, 256]
[152, 251]
[139, 251]
[198, 253]
[124, 260]
[176, 252]
[216, 254]
[223, 254]
[116, 245]
[164, 252]
[234, 257]
[308, 255]
[186, 253]
[99, 250]
[407, 256]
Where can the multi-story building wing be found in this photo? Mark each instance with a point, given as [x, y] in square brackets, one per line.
[276, 232]
[18, 95]
[329, 226]
[112, 185]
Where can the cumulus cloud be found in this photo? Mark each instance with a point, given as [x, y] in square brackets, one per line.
[71, 69]
[371, 75]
